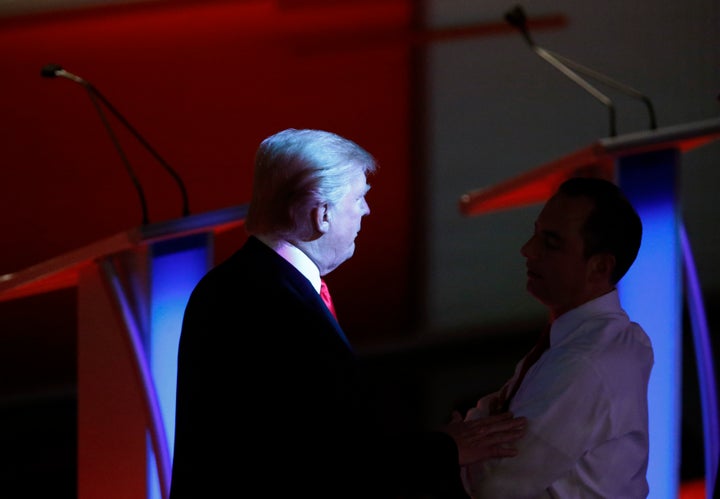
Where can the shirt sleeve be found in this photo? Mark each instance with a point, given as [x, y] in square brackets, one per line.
[562, 397]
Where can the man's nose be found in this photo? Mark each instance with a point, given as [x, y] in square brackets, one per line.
[367, 208]
[526, 249]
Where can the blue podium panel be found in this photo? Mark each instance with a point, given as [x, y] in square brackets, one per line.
[176, 266]
[651, 293]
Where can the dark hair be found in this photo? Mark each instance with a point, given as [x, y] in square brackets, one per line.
[613, 226]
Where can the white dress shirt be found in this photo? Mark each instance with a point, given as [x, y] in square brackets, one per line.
[296, 258]
[586, 404]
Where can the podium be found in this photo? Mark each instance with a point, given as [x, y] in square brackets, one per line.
[132, 289]
[645, 165]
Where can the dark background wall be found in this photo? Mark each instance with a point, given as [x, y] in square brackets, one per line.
[204, 82]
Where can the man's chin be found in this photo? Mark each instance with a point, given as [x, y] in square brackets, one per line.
[348, 255]
[532, 288]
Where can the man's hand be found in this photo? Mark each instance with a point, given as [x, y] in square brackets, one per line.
[486, 437]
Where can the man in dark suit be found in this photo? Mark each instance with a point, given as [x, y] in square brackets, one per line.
[270, 398]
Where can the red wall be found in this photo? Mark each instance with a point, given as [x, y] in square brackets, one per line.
[204, 82]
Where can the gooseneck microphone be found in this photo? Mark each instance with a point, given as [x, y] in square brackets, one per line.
[516, 18]
[54, 70]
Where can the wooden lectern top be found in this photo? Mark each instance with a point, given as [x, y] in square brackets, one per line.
[597, 159]
[63, 271]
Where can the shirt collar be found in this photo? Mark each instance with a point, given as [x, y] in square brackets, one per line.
[570, 320]
[295, 257]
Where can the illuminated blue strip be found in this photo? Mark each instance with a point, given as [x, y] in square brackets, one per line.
[651, 293]
[176, 267]
[705, 367]
[156, 440]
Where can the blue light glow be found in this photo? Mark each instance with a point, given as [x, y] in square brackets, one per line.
[176, 267]
[705, 365]
[651, 293]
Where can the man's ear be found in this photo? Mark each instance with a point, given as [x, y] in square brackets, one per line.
[321, 218]
[602, 266]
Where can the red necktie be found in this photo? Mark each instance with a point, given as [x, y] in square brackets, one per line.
[325, 295]
[542, 344]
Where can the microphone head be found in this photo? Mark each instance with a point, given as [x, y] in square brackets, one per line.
[50, 70]
[516, 17]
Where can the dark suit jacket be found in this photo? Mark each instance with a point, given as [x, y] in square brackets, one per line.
[271, 400]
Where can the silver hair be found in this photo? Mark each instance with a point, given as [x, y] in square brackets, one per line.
[296, 171]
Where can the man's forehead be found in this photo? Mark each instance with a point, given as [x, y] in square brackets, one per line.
[565, 210]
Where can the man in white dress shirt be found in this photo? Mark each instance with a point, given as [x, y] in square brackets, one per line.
[585, 398]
